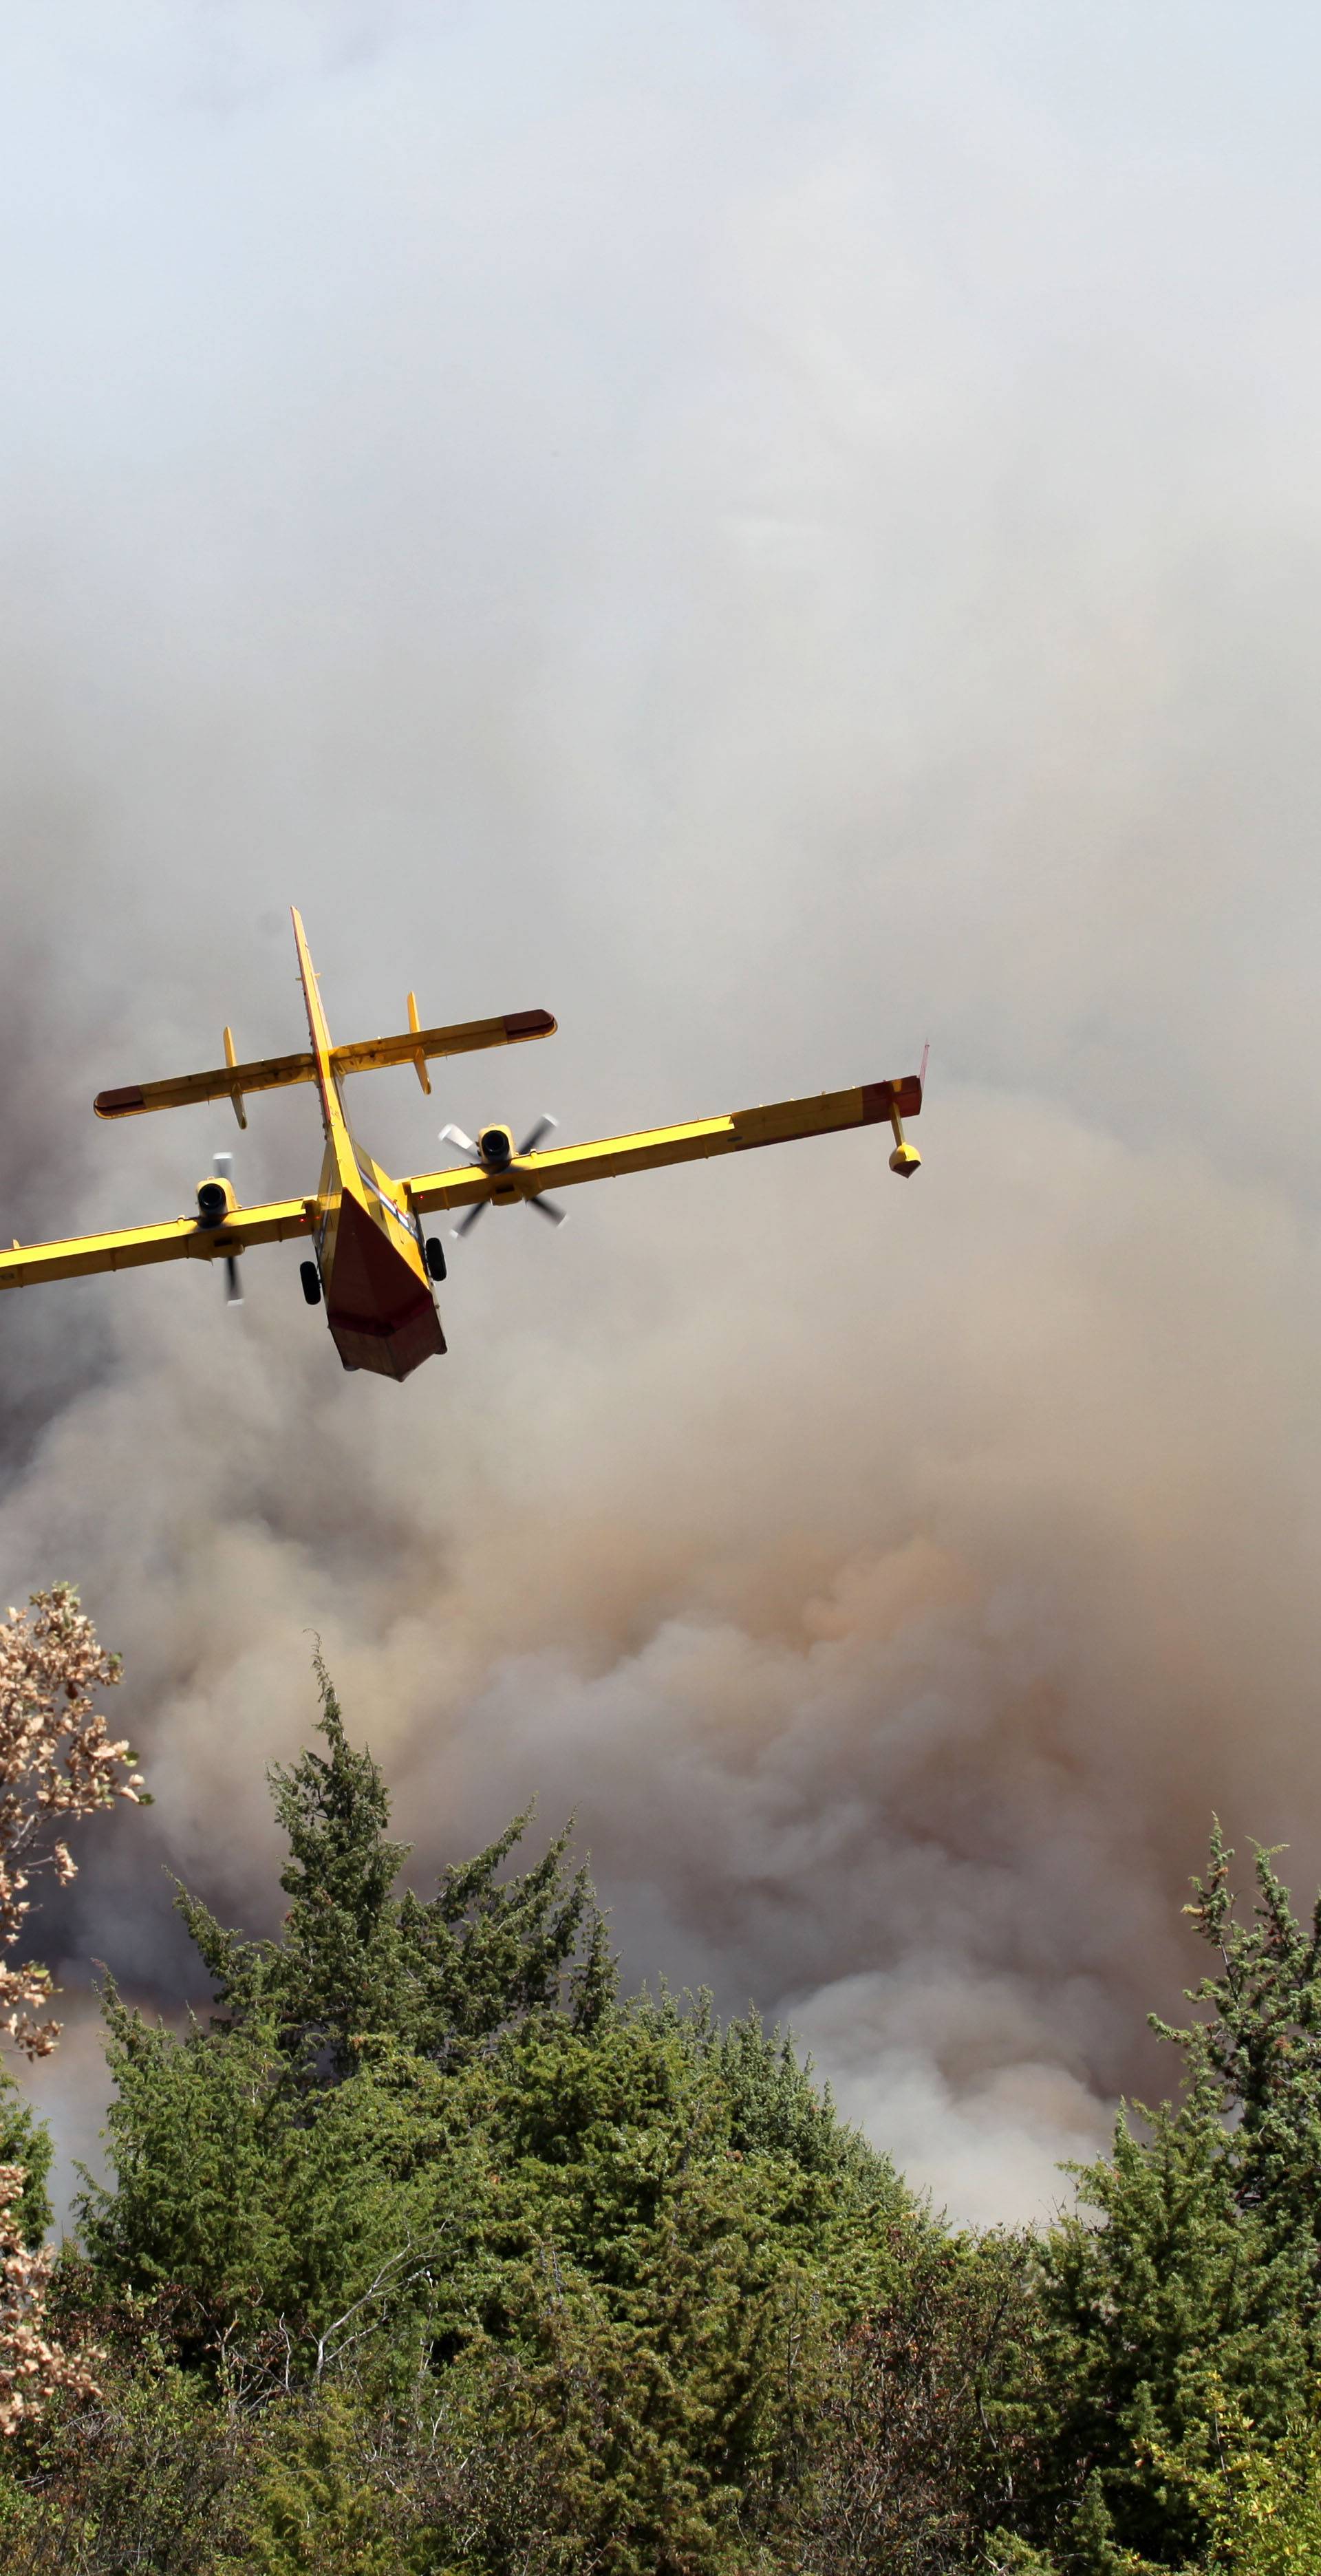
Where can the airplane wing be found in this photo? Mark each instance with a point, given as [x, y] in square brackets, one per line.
[612, 1156]
[182, 1238]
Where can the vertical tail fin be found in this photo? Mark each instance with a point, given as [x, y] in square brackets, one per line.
[332, 1111]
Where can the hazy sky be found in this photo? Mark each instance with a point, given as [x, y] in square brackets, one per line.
[777, 533]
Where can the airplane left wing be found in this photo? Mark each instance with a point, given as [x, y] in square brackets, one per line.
[611, 1157]
[183, 1238]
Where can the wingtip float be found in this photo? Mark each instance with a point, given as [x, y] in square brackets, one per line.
[373, 1264]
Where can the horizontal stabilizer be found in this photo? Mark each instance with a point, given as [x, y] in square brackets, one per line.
[277, 1072]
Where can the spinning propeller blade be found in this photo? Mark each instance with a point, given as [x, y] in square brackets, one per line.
[544, 1207]
[223, 1167]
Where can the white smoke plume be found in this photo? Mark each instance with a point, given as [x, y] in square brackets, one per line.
[775, 534]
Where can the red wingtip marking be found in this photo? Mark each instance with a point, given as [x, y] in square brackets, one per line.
[879, 1098]
[529, 1024]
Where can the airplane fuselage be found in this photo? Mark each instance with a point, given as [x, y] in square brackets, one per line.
[380, 1303]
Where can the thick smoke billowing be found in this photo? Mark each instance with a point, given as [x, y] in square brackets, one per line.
[775, 536]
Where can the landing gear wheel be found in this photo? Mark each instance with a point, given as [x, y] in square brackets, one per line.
[434, 1251]
[311, 1279]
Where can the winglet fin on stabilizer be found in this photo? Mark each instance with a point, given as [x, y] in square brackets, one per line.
[420, 1058]
[236, 1095]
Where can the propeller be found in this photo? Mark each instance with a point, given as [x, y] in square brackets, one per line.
[223, 1167]
[469, 1146]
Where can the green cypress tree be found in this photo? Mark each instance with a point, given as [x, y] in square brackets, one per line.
[440, 1976]
[434, 2123]
[1261, 2045]
[1201, 2287]
[1177, 2296]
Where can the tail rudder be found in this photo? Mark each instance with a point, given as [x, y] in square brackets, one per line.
[332, 1108]
[316, 1018]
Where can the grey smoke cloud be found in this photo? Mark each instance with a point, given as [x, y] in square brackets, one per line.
[776, 535]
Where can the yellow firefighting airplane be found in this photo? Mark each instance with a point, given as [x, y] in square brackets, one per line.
[374, 1265]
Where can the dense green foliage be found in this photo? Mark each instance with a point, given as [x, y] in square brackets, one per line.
[430, 2252]
[23, 2141]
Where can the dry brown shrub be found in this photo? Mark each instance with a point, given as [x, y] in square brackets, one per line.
[57, 1765]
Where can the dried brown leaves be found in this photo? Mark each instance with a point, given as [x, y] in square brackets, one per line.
[31, 2366]
[57, 1764]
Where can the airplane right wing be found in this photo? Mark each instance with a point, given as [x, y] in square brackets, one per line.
[467, 1184]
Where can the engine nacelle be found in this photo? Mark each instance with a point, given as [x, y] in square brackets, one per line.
[215, 1202]
[496, 1147]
